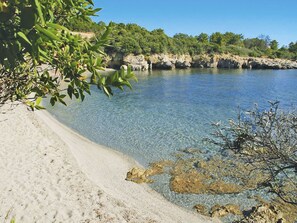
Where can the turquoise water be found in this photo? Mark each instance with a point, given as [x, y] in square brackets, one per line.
[172, 110]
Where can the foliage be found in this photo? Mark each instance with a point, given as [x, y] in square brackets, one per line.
[37, 52]
[267, 140]
[85, 25]
[255, 43]
[274, 45]
[133, 39]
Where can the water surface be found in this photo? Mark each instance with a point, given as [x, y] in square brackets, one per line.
[172, 110]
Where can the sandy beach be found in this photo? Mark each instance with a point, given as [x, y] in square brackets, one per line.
[48, 173]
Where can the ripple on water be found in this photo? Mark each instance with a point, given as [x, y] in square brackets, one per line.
[172, 110]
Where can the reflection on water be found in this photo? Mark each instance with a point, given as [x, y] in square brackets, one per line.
[189, 72]
[172, 110]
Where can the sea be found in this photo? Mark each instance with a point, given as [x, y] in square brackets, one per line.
[168, 111]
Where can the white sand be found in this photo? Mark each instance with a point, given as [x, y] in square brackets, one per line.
[48, 173]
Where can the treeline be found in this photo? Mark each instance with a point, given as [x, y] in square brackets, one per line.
[131, 38]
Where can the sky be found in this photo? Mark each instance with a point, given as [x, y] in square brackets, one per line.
[252, 18]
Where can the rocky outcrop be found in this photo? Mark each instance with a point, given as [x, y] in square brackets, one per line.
[140, 175]
[201, 209]
[170, 61]
[264, 213]
[222, 211]
[136, 62]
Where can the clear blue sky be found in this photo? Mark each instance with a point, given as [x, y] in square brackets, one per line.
[276, 18]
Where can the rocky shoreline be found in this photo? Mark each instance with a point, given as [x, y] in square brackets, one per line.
[170, 62]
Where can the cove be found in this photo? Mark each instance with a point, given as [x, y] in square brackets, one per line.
[172, 110]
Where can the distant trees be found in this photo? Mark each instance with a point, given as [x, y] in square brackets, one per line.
[233, 39]
[293, 47]
[274, 45]
[255, 43]
[203, 38]
[131, 38]
[217, 38]
[227, 38]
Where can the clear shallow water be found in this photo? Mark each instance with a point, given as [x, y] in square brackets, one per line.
[172, 110]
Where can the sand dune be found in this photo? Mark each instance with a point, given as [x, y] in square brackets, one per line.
[48, 173]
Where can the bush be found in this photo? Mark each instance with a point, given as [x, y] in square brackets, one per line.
[267, 140]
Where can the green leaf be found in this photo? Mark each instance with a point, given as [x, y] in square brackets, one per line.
[106, 90]
[39, 10]
[24, 37]
[38, 107]
[38, 101]
[62, 102]
[97, 10]
[56, 26]
[47, 33]
[70, 91]
[53, 100]
[43, 53]
[91, 2]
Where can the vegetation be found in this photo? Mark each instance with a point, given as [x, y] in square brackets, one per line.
[37, 52]
[266, 140]
[131, 38]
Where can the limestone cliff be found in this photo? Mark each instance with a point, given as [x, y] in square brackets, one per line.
[170, 61]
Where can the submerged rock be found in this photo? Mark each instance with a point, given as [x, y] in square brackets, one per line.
[222, 211]
[264, 213]
[197, 183]
[213, 176]
[201, 209]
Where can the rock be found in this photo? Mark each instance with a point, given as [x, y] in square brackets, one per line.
[221, 187]
[158, 167]
[170, 61]
[164, 65]
[204, 61]
[188, 183]
[201, 209]
[182, 64]
[138, 175]
[229, 63]
[114, 60]
[267, 63]
[264, 213]
[137, 63]
[198, 183]
[218, 211]
[222, 211]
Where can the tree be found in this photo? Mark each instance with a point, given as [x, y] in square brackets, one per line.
[255, 43]
[34, 41]
[265, 38]
[267, 140]
[293, 47]
[203, 38]
[217, 38]
[232, 38]
[274, 45]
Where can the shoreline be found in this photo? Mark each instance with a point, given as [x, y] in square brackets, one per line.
[51, 173]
